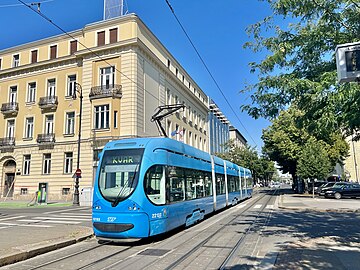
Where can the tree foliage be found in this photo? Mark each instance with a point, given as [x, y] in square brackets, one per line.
[314, 161]
[262, 168]
[285, 142]
[300, 65]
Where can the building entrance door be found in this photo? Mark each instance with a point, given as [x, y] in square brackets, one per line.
[9, 185]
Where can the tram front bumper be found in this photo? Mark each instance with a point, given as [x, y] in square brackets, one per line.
[121, 225]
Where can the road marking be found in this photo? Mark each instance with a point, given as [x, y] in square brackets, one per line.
[60, 221]
[68, 210]
[81, 216]
[8, 224]
[271, 206]
[2, 219]
[62, 218]
[257, 206]
[241, 205]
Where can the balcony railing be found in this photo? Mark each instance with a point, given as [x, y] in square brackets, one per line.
[112, 90]
[46, 138]
[10, 108]
[6, 142]
[49, 102]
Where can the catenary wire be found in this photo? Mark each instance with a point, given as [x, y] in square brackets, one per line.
[207, 69]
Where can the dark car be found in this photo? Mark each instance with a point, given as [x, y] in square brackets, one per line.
[323, 188]
[351, 190]
[317, 185]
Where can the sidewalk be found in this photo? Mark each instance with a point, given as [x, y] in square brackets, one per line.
[319, 251]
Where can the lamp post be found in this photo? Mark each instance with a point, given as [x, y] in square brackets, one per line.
[76, 202]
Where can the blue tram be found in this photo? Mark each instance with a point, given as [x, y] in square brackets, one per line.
[148, 186]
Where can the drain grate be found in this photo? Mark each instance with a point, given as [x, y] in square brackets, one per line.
[154, 252]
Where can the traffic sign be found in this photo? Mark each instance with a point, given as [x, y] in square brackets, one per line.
[78, 172]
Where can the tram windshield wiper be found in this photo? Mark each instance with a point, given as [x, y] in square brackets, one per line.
[119, 196]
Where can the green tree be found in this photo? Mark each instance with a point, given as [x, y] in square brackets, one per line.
[314, 161]
[284, 142]
[300, 66]
[245, 156]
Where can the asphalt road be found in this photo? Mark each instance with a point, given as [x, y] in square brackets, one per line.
[253, 234]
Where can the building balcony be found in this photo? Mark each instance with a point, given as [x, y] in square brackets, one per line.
[11, 108]
[49, 102]
[46, 138]
[113, 90]
[7, 144]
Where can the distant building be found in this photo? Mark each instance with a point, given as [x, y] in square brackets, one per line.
[351, 163]
[237, 137]
[219, 129]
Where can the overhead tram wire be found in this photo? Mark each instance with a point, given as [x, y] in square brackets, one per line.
[207, 69]
[87, 48]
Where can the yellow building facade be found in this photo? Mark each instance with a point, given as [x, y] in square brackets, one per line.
[124, 74]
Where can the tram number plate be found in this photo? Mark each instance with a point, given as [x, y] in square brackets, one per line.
[156, 215]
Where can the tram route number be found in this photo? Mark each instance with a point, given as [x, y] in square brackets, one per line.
[157, 215]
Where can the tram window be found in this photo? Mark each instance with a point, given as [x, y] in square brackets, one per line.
[220, 184]
[176, 184]
[208, 184]
[155, 184]
[233, 183]
[199, 176]
[190, 185]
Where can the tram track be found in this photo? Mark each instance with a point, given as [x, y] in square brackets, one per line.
[82, 253]
[247, 232]
[219, 230]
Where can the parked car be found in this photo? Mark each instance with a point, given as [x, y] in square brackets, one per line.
[351, 190]
[323, 188]
[317, 185]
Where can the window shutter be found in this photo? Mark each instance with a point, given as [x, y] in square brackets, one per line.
[73, 46]
[113, 35]
[34, 56]
[53, 51]
[101, 38]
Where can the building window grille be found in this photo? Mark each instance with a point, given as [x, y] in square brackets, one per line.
[101, 117]
[47, 163]
[26, 164]
[65, 191]
[68, 163]
[23, 191]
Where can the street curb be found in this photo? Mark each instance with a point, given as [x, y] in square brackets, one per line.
[27, 254]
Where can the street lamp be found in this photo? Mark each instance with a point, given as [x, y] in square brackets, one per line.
[77, 175]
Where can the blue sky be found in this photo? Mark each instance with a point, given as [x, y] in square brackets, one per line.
[217, 28]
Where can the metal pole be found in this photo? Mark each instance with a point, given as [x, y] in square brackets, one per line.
[76, 192]
[355, 163]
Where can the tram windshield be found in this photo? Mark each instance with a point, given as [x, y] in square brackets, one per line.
[119, 174]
